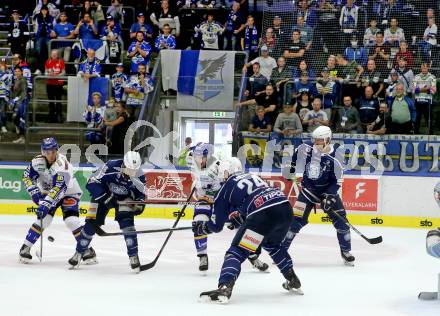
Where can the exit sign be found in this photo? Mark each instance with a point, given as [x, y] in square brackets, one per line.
[218, 114]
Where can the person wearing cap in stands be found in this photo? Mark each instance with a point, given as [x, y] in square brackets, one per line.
[267, 63]
[141, 26]
[112, 33]
[118, 79]
[18, 34]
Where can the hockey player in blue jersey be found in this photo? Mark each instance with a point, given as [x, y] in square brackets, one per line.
[266, 216]
[51, 184]
[204, 167]
[117, 180]
[322, 168]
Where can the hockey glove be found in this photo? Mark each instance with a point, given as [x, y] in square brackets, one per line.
[200, 228]
[43, 209]
[138, 209]
[36, 196]
[328, 202]
[235, 220]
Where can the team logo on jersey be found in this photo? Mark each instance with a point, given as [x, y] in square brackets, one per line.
[209, 78]
[314, 171]
[118, 189]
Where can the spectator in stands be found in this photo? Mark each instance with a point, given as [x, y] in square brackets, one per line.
[381, 54]
[295, 53]
[64, 30]
[404, 52]
[349, 19]
[183, 153]
[18, 60]
[424, 86]
[327, 91]
[370, 33]
[315, 117]
[116, 10]
[267, 63]
[18, 34]
[287, 124]
[91, 67]
[373, 78]
[392, 82]
[280, 75]
[309, 15]
[208, 33]
[44, 32]
[406, 75]
[119, 80]
[334, 71]
[54, 67]
[368, 107]
[139, 52]
[383, 120]
[347, 118]
[19, 102]
[429, 39]
[394, 34]
[268, 99]
[165, 40]
[93, 116]
[6, 78]
[350, 72]
[112, 33]
[233, 29]
[387, 10]
[166, 15]
[51, 8]
[270, 41]
[402, 112]
[136, 88]
[261, 122]
[256, 83]
[86, 29]
[305, 31]
[304, 85]
[117, 129]
[303, 67]
[279, 31]
[251, 39]
[141, 26]
[95, 12]
[356, 52]
[303, 106]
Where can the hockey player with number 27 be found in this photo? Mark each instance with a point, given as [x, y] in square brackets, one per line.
[51, 184]
[322, 168]
[116, 181]
[266, 215]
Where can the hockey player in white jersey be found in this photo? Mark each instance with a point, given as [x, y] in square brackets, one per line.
[204, 166]
[51, 184]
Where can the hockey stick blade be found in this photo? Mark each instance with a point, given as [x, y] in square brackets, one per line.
[150, 265]
[100, 232]
[428, 296]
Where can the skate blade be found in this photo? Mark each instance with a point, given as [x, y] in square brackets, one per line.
[262, 271]
[90, 262]
[74, 267]
[24, 260]
[136, 270]
[297, 291]
[349, 264]
[220, 300]
[428, 296]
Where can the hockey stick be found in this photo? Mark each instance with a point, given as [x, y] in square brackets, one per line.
[375, 240]
[39, 253]
[156, 202]
[100, 232]
[148, 266]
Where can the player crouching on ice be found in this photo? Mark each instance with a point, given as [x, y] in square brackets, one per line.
[117, 180]
[51, 184]
[266, 215]
[322, 168]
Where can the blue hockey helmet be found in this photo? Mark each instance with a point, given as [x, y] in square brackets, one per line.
[49, 143]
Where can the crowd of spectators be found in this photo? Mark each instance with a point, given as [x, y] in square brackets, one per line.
[326, 62]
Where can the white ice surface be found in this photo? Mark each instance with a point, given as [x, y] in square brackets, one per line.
[385, 281]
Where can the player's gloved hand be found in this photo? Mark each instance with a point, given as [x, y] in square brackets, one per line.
[43, 209]
[328, 202]
[200, 228]
[138, 209]
[235, 220]
[36, 196]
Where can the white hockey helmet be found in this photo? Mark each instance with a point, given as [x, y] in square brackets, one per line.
[229, 167]
[322, 133]
[132, 163]
[437, 193]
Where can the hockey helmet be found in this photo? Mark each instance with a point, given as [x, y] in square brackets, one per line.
[321, 133]
[229, 167]
[132, 163]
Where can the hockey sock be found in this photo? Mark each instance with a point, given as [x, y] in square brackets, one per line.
[127, 225]
[280, 257]
[35, 231]
[85, 237]
[201, 243]
[342, 231]
[74, 225]
[231, 268]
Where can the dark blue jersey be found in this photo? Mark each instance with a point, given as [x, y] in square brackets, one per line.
[110, 179]
[245, 193]
[322, 172]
